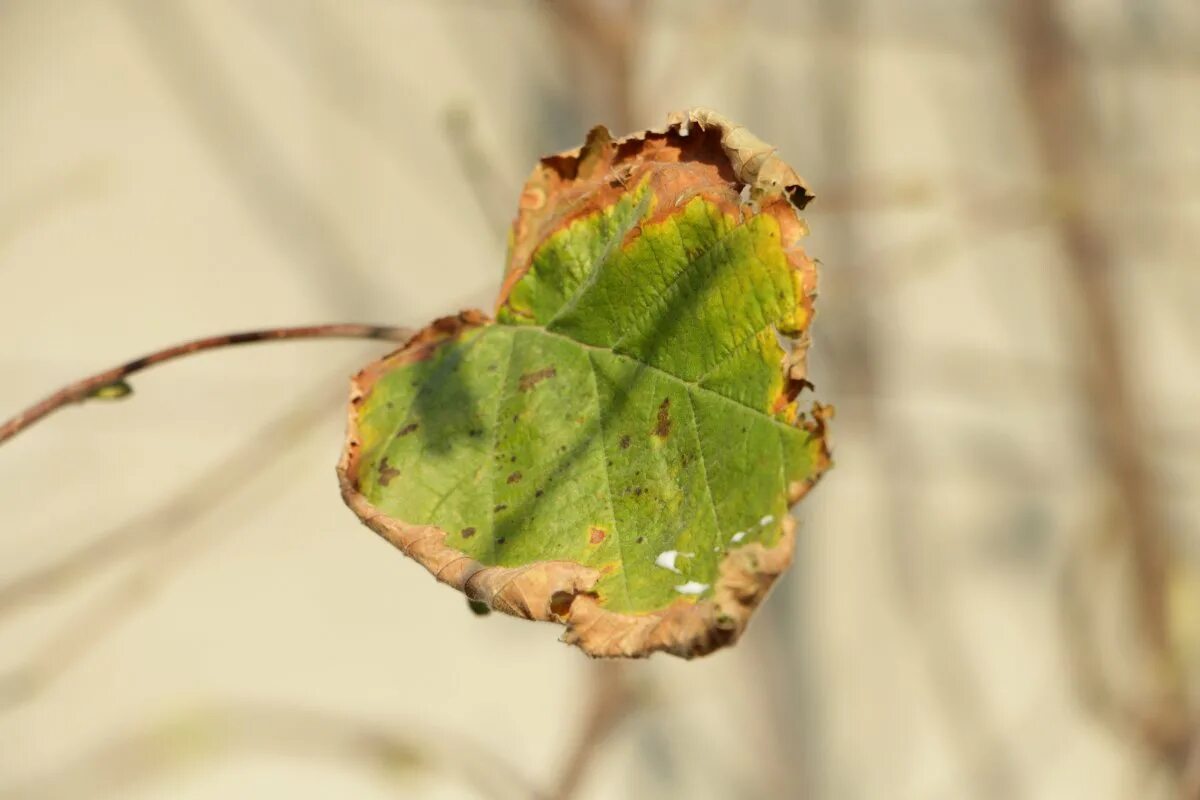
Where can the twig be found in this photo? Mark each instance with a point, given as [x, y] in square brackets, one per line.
[171, 517]
[610, 37]
[211, 97]
[1191, 770]
[180, 739]
[1058, 104]
[612, 699]
[858, 340]
[167, 532]
[481, 172]
[111, 384]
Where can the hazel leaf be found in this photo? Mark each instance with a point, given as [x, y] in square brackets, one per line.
[618, 448]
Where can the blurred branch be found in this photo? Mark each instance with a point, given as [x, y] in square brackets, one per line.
[490, 190]
[608, 41]
[173, 41]
[857, 336]
[364, 89]
[705, 45]
[110, 384]
[1191, 771]
[606, 33]
[162, 526]
[611, 699]
[1064, 128]
[927, 34]
[182, 739]
[1079, 636]
[85, 181]
[991, 205]
[1086, 663]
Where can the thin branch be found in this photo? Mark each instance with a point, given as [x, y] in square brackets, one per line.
[610, 37]
[110, 384]
[1191, 770]
[612, 699]
[138, 757]
[1079, 640]
[482, 174]
[604, 32]
[171, 518]
[1058, 102]
[167, 531]
[211, 96]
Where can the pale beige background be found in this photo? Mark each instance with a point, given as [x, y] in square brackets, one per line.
[174, 169]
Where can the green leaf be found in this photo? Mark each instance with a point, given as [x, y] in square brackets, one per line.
[618, 450]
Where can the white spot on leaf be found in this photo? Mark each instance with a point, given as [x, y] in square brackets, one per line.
[692, 587]
[737, 537]
[666, 559]
[767, 520]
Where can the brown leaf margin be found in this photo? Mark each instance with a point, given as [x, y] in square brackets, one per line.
[563, 591]
[564, 185]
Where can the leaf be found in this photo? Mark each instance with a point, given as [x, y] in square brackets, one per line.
[619, 448]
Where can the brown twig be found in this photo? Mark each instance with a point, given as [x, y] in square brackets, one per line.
[610, 702]
[211, 97]
[610, 38]
[1058, 104]
[858, 336]
[1191, 770]
[170, 518]
[482, 174]
[111, 382]
[167, 531]
[139, 756]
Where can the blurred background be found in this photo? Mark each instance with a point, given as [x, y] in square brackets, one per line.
[996, 592]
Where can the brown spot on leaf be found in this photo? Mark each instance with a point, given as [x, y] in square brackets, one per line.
[560, 603]
[625, 442]
[532, 379]
[514, 477]
[500, 507]
[663, 428]
[386, 472]
[501, 540]
[407, 429]
[467, 533]
[596, 535]
[539, 493]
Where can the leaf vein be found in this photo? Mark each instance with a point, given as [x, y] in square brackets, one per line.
[612, 510]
